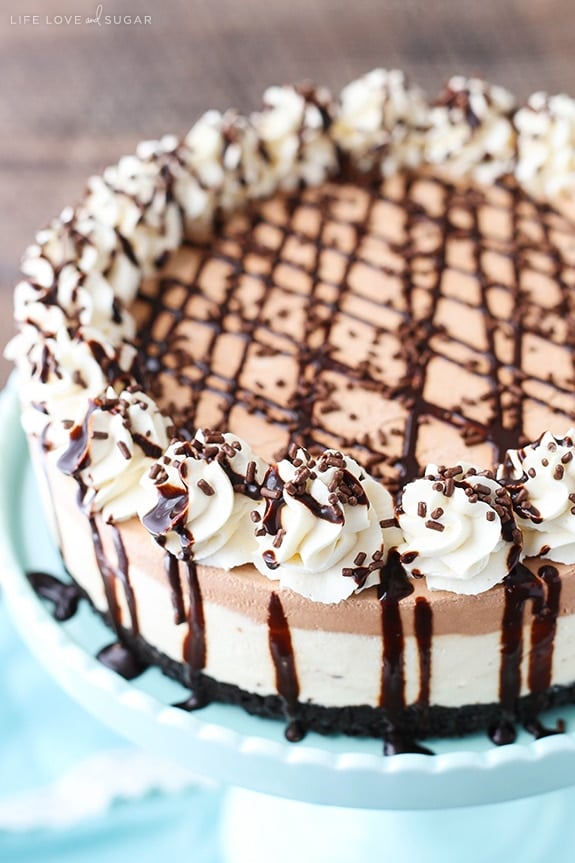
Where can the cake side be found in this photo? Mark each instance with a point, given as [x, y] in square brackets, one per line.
[339, 655]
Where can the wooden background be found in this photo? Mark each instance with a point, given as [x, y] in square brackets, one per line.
[75, 97]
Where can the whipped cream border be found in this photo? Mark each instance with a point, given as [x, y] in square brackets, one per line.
[84, 270]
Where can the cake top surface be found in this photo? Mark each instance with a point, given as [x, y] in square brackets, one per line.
[382, 278]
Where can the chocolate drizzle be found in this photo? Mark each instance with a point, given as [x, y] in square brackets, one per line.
[423, 625]
[400, 356]
[112, 573]
[119, 658]
[543, 630]
[396, 743]
[76, 456]
[394, 586]
[194, 651]
[64, 597]
[195, 641]
[172, 570]
[108, 576]
[521, 586]
[273, 484]
[122, 573]
[169, 513]
[539, 731]
[282, 654]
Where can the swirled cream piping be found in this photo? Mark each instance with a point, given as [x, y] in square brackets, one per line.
[379, 119]
[134, 198]
[546, 144]
[322, 532]
[119, 438]
[459, 530]
[79, 272]
[541, 481]
[198, 499]
[471, 130]
[293, 131]
[65, 373]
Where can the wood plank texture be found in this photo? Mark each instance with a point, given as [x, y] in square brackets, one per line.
[74, 97]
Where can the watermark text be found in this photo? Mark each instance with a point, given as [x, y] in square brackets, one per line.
[98, 19]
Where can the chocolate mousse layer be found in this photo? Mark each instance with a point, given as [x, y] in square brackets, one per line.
[407, 321]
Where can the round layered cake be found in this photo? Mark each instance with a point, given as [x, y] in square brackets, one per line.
[299, 389]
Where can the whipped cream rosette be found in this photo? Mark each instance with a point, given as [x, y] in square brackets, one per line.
[119, 438]
[61, 374]
[540, 478]
[199, 498]
[459, 530]
[211, 176]
[79, 272]
[546, 144]
[379, 118]
[134, 197]
[292, 131]
[323, 530]
[471, 130]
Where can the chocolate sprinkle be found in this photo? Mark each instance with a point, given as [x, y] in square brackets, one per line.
[123, 447]
[435, 525]
[204, 486]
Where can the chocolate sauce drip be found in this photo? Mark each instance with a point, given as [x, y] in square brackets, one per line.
[329, 513]
[122, 660]
[538, 730]
[423, 625]
[195, 701]
[503, 732]
[172, 570]
[271, 520]
[240, 483]
[150, 449]
[282, 654]
[64, 597]
[520, 586]
[195, 641]
[394, 586]
[401, 744]
[76, 456]
[543, 632]
[195, 647]
[270, 559]
[123, 573]
[112, 574]
[295, 731]
[169, 513]
[108, 577]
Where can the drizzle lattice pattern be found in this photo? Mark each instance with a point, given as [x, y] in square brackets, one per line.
[404, 322]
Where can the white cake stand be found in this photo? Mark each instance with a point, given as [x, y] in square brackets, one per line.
[323, 799]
